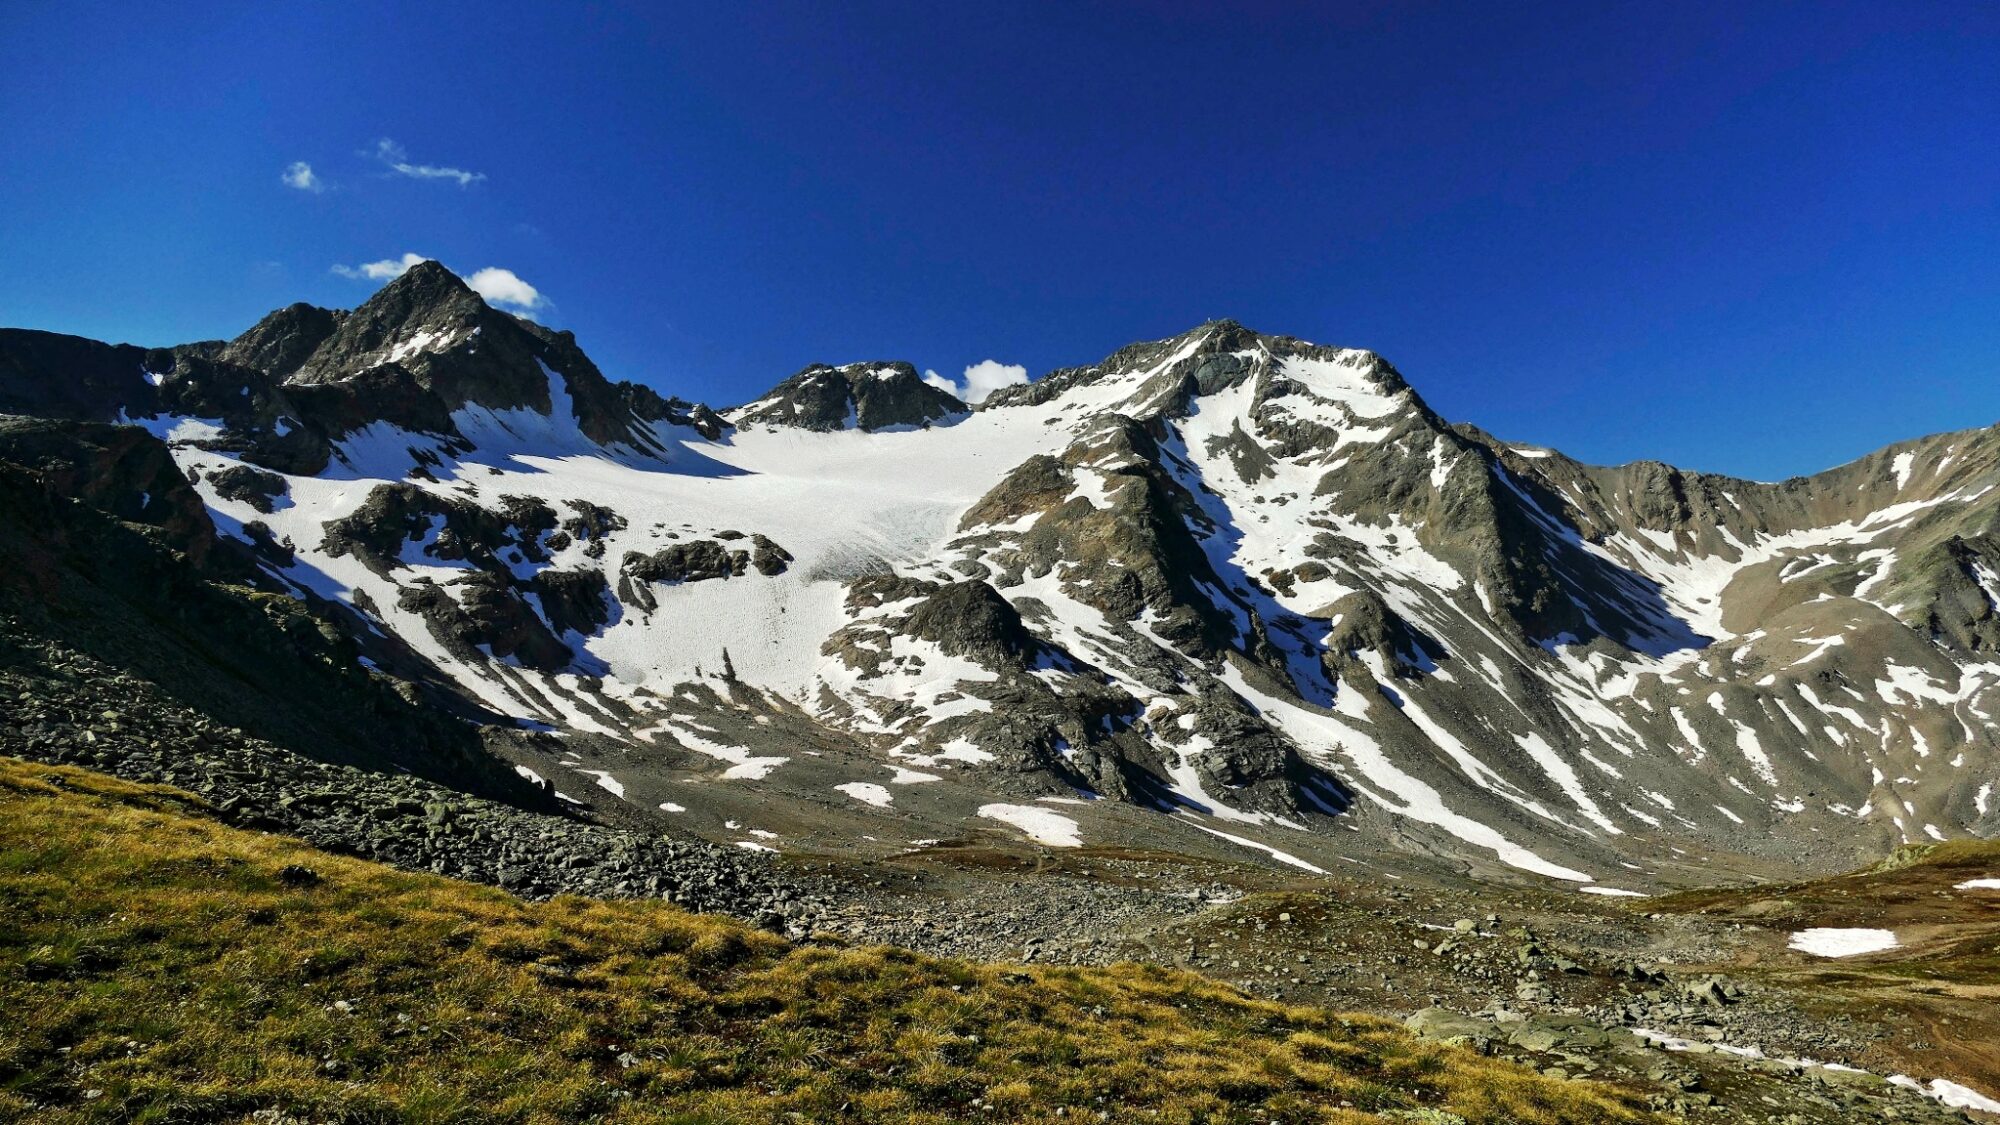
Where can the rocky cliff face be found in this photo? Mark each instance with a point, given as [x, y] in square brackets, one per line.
[1226, 593]
[109, 554]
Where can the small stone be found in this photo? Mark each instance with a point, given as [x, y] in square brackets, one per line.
[295, 875]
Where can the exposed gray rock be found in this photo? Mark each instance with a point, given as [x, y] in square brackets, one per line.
[863, 396]
[248, 485]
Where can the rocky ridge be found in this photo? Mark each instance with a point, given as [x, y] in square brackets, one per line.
[871, 397]
[1245, 580]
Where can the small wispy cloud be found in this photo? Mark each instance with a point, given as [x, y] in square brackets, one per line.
[501, 288]
[298, 174]
[398, 161]
[981, 379]
[388, 269]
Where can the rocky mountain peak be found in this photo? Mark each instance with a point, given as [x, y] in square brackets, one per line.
[287, 390]
[426, 284]
[426, 311]
[870, 396]
[1281, 375]
[1215, 337]
[281, 343]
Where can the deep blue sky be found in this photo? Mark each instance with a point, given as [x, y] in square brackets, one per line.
[1756, 238]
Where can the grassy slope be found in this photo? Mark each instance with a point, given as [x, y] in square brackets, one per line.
[155, 965]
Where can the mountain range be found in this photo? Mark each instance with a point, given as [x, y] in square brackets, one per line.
[1226, 594]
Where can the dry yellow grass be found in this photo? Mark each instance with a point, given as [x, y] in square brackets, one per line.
[158, 966]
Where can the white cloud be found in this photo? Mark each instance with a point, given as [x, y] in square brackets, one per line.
[388, 269]
[300, 175]
[989, 375]
[981, 379]
[392, 154]
[505, 287]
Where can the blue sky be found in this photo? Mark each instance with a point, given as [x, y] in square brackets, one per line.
[1754, 238]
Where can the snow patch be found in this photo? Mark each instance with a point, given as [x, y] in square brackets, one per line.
[1281, 857]
[868, 793]
[605, 781]
[1040, 825]
[1948, 1092]
[1829, 942]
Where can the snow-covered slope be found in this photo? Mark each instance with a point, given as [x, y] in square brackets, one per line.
[1227, 593]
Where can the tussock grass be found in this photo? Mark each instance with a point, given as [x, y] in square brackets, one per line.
[157, 966]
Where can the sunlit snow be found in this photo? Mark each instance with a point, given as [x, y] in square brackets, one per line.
[1039, 825]
[1828, 942]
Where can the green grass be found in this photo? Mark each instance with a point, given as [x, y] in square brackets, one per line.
[155, 966]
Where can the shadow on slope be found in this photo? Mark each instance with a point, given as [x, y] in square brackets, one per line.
[106, 549]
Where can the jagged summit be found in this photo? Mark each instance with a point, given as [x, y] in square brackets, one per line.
[284, 340]
[1168, 375]
[869, 396]
[432, 325]
[289, 391]
[427, 282]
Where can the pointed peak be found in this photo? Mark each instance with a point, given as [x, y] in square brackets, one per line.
[426, 295]
[425, 310]
[1221, 330]
[427, 282]
[429, 270]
